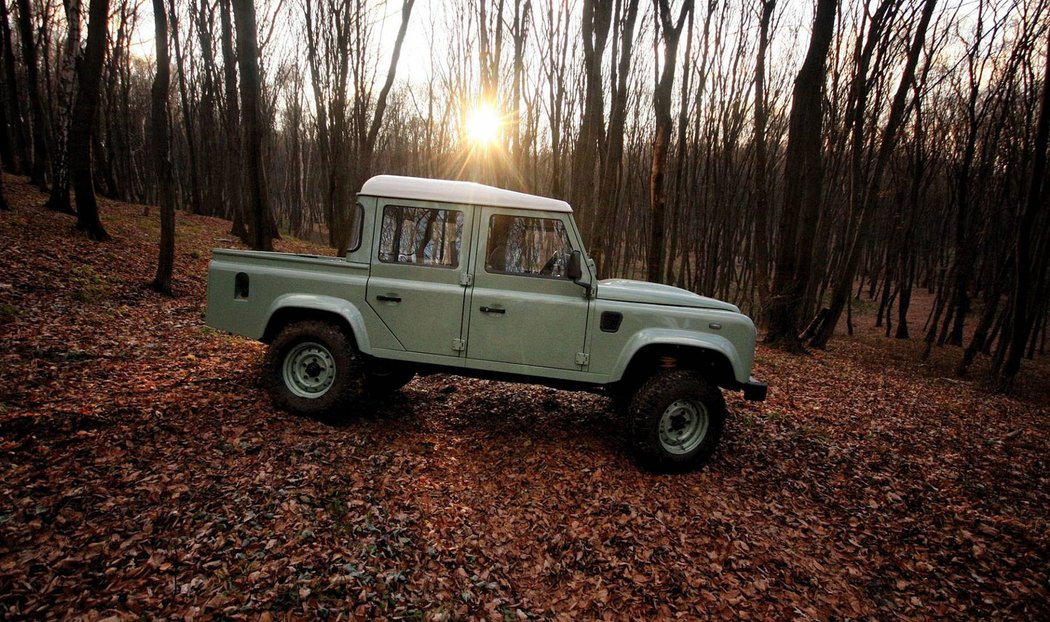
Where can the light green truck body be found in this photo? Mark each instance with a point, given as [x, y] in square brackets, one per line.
[446, 276]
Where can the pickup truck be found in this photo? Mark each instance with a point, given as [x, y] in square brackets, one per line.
[463, 278]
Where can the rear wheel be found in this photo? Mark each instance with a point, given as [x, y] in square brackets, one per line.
[314, 369]
[677, 418]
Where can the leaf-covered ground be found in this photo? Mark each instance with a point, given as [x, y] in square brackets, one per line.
[144, 473]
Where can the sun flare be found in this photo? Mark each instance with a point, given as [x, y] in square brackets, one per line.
[483, 125]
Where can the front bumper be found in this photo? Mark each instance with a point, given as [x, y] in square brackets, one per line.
[754, 390]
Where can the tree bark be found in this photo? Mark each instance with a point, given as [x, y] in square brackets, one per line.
[803, 186]
[15, 117]
[161, 152]
[3, 200]
[890, 133]
[83, 123]
[36, 108]
[588, 154]
[196, 203]
[59, 199]
[1024, 311]
[366, 149]
[612, 166]
[671, 33]
[761, 236]
[256, 193]
[234, 172]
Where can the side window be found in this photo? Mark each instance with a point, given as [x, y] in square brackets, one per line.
[357, 221]
[421, 236]
[528, 246]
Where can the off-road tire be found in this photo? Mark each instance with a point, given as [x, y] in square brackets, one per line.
[347, 382]
[668, 392]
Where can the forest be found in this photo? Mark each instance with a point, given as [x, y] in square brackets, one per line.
[777, 155]
[867, 179]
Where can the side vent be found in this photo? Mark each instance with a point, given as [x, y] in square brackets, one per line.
[240, 286]
[611, 321]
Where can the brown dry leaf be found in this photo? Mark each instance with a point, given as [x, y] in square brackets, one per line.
[146, 474]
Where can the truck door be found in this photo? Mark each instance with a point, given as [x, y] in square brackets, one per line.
[418, 279]
[523, 308]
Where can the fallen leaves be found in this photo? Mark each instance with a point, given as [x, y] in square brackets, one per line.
[144, 473]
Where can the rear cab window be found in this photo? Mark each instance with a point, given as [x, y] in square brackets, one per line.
[421, 236]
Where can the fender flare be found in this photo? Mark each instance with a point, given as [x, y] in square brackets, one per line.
[673, 337]
[325, 304]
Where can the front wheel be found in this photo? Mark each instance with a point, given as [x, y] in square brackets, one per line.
[313, 369]
[676, 419]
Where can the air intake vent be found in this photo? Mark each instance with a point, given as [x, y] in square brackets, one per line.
[611, 321]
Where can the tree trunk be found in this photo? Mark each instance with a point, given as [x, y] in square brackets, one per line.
[196, 203]
[3, 200]
[36, 107]
[844, 279]
[671, 33]
[59, 199]
[761, 188]
[161, 151]
[1024, 311]
[367, 147]
[19, 137]
[802, 186]
[83, 122]
[256, 193]
[587, 156]
[234, 172]
[601, 248]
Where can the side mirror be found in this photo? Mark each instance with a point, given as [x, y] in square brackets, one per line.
[575, 271]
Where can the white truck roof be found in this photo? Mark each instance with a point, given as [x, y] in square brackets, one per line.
[448, 191]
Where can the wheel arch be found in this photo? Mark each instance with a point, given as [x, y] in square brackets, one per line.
[713, 359]
[301, 307]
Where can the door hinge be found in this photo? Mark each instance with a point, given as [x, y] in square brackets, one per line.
[583, 358]
[466, 279]
[459, 345]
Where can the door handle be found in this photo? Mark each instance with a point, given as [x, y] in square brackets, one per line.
[382, 298]
[493, 310]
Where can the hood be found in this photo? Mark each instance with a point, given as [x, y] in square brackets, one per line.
[625, 290]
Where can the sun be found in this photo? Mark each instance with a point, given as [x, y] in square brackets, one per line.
[483, 125]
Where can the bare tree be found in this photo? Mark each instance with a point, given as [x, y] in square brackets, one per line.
[590, 143]
[161, 151]
[234, 177]
[367, 142]
[59, 199]
[612, 166]
[261, 229]
[670, 33]
[196, 202]
[898, 160]
[83, 121]
[15, 126]
[761, 175]
[802, 186]
[867, 202]
[36, 108]
[1029, 250]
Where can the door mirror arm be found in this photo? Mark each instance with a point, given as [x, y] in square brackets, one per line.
[575, 271]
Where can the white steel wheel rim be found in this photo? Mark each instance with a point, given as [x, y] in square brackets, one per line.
[309, 370]
[683, 426]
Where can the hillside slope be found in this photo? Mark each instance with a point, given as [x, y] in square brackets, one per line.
[144, 472]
